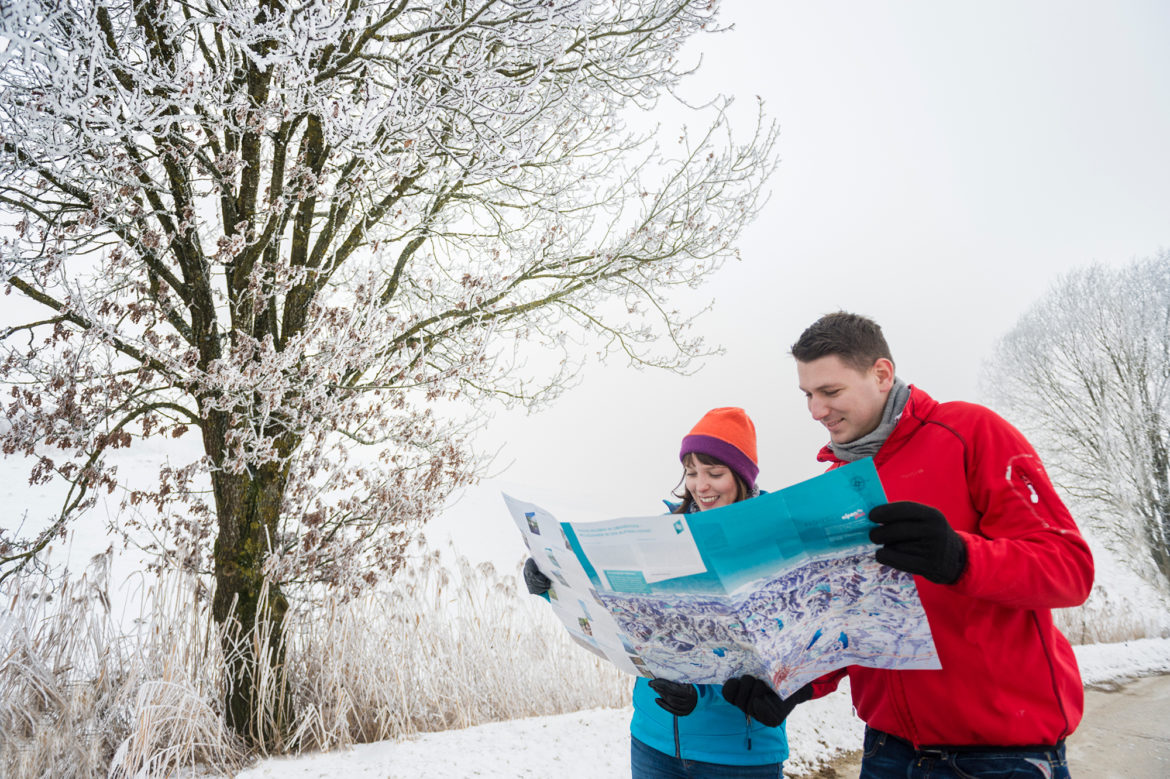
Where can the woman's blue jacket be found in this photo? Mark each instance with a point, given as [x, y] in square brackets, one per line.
[715, 732]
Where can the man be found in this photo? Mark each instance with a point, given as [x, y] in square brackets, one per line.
[974, 517]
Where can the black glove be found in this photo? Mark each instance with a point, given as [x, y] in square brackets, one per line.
[676, 697]
[917, 538]
[536, 582]
[755, 698]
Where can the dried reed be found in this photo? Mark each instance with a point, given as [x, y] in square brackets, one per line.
[447, 645]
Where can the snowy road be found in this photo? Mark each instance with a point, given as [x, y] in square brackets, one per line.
[1125, 734]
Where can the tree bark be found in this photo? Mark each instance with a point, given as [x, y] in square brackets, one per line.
[250, 610]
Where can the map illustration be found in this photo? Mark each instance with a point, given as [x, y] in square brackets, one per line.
[784, 587]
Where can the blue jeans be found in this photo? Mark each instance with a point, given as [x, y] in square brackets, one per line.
[886, 757]
[648, 763]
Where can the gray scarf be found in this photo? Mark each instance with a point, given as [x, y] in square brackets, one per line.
[868, 444]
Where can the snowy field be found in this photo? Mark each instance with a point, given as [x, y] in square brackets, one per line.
[596, 743]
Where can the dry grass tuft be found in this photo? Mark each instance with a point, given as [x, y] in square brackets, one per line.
[443, 649]
[1114, 614]
[444, 646]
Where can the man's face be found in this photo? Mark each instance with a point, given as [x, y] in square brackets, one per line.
[848, 402]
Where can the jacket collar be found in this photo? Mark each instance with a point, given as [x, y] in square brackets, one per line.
[918, 408]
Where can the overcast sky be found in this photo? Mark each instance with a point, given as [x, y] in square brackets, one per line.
[941, 164]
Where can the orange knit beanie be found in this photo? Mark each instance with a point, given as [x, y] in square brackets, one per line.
[728, 435]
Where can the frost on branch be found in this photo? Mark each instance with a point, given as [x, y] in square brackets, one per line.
[290, 229]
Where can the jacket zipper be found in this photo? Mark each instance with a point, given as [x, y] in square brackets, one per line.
[677, 745]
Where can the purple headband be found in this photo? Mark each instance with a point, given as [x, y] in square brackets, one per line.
[725, 453]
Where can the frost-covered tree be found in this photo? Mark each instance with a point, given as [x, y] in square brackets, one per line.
[1086, 373]
[289, 228]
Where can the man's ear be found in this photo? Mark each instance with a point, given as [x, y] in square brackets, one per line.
[883, 371]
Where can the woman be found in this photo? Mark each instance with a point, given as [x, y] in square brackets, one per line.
[706, 730]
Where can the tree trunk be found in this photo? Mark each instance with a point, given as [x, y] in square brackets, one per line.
[250, 610]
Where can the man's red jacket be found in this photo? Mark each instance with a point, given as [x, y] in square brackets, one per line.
[1008, 676]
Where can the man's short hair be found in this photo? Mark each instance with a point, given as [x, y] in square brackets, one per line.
[855, 339]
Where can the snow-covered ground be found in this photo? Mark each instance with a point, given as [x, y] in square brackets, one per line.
[596, 743]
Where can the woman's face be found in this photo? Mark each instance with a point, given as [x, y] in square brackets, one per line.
[711, 486]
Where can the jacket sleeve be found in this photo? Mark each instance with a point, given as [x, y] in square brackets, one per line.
[1027, 551]
[826, 684]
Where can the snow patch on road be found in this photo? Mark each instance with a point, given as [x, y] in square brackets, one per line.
[1104, 663]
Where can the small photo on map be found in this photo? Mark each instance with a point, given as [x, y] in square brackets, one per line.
[565, 538]
[586, 628]
[533, 527]
[640, 664]
[560, 578]
[552, 593]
